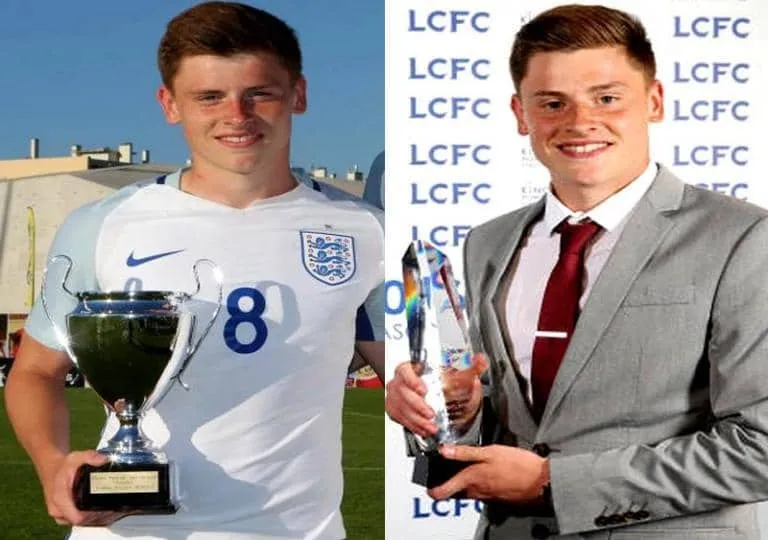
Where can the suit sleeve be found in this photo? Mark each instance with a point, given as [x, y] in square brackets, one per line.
[724, 465]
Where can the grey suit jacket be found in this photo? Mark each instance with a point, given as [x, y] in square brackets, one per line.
[657, 423]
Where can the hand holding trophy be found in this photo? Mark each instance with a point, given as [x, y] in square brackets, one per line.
[442, 356]
[131, 347]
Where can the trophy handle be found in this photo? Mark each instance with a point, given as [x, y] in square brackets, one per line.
[219, 279]
[60, 334]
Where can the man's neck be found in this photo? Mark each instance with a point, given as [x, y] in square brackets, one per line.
[237, 191]
[583, 198]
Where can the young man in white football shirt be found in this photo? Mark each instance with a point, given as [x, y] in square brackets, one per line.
[257, 437]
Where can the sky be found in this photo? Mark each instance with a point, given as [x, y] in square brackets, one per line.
[84, 72]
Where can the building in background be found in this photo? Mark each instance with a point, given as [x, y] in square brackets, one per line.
[79, 159]
[355, 175]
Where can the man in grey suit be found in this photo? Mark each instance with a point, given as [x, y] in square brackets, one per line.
[623, 318]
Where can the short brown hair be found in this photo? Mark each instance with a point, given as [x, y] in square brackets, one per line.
[573, 27]
[226, 29]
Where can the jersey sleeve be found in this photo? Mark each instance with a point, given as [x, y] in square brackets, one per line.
[370, 315]
[369, 325]
[373, 193]
[76, 240]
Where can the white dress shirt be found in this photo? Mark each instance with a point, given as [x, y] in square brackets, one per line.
[539, 252]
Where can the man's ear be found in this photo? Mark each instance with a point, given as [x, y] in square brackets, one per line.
[656, 102]
[517, 107]
[299, 105]
[168, 104]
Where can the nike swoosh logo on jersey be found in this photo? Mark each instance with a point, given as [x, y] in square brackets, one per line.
[133, 261]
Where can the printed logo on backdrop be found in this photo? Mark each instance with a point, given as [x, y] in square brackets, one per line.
[531, 189]
[528, 158]
[394, 304]
[693, 103]
[425, 507]
[329, 258]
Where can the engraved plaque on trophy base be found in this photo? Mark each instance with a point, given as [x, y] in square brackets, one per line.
[117, 487]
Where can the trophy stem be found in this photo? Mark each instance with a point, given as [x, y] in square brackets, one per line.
[129, 445]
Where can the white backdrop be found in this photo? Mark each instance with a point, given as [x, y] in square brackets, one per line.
[454, 158]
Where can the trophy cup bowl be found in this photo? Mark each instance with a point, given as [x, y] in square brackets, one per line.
[130, 346]
[441, 354]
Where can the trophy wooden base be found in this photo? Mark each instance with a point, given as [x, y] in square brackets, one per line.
[116, 487]
[432, 470]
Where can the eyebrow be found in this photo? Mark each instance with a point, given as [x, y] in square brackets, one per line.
[266, 86]
[591, 90]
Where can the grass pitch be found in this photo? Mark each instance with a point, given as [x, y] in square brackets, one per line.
[22, 511]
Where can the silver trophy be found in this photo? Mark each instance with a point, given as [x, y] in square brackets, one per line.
[441, 355]
[131, 347]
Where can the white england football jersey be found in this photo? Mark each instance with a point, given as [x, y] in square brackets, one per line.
[257, 438]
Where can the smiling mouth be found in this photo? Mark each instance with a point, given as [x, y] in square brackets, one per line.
[240, 140]
[583, 150]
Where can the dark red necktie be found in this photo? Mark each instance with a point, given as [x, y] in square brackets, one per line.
[559, 309]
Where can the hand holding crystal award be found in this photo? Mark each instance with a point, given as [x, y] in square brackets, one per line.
[441, 355]
[131, 347]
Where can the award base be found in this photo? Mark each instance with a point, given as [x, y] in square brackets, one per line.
[117, 487]
[432, 470]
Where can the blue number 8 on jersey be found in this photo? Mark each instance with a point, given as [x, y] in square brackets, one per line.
[253, 317]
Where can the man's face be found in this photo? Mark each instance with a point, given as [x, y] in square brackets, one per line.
[587, 114]
[235, 111]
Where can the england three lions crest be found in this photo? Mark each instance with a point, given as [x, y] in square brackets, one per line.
[329, 258]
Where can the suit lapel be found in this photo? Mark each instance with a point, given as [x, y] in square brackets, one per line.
[642, 235]
[495, 328]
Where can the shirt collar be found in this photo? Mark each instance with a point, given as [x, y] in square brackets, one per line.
[174, 179]
[609, 213]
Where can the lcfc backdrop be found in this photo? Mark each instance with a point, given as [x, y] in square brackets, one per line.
[454, 158]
